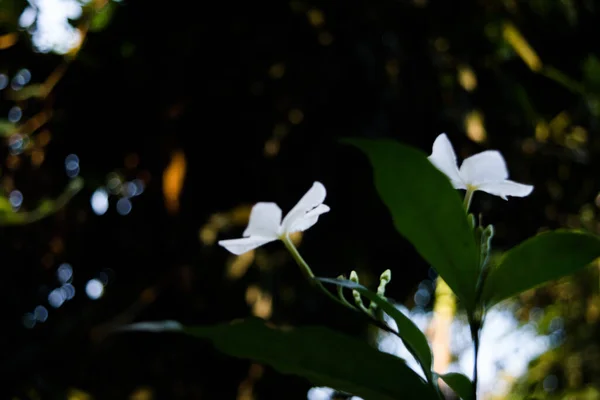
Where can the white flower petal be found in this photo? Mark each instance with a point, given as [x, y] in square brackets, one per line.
[487, 166]
[313, 198]
[264, 220]
[243, 245]
[309, 219]
[506, 188]
[443, 158]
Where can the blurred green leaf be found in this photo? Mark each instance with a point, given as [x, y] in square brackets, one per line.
[427, 210]
[5, 205]
[7, 128]
[461, 385]
[411, 335]
[540, 259]
[38, 90]
[591, 72]
[323, 356]
[102, 17]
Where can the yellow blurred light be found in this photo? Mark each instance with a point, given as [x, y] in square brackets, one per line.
[263, 307]
[272, 147]
[542, 131]
[252, 294]
[208, 235]
[276, 71]
[593, 309]
[295, 116]
[467, 78]
[587, 213]
[240, 215]
[474, 126]
[315, 17]
[240, 264]
[76, 394]
[261, 302]
[246, 388]
[142, 394]
[579, 134]
[559, 123]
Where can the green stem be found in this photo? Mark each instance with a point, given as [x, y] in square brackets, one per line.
[475, 325]
[467, 200]
[307, 272]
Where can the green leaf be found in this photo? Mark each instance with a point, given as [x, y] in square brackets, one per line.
[427, 210]
[411, 335]
[461, 385]
[540, 259]
[323, 356]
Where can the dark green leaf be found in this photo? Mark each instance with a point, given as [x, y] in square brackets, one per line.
[427, 210]
[542, 258]
[461, 385]
[411, 335]
[323, 356]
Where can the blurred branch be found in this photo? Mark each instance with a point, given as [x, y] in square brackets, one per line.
[46, 207]
[529, 56]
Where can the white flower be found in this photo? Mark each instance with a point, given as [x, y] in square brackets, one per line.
[485, 171]
[266, 226]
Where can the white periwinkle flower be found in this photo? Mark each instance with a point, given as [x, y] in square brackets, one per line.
[266, 226]
[485, 171]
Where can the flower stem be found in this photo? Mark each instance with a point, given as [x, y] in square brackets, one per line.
[474, 320]
[468, 197]
[307, 272]
[299, 260]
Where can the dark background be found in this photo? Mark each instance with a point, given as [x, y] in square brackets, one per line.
[222, 83]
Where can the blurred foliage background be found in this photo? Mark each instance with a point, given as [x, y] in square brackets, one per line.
[136, 134]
